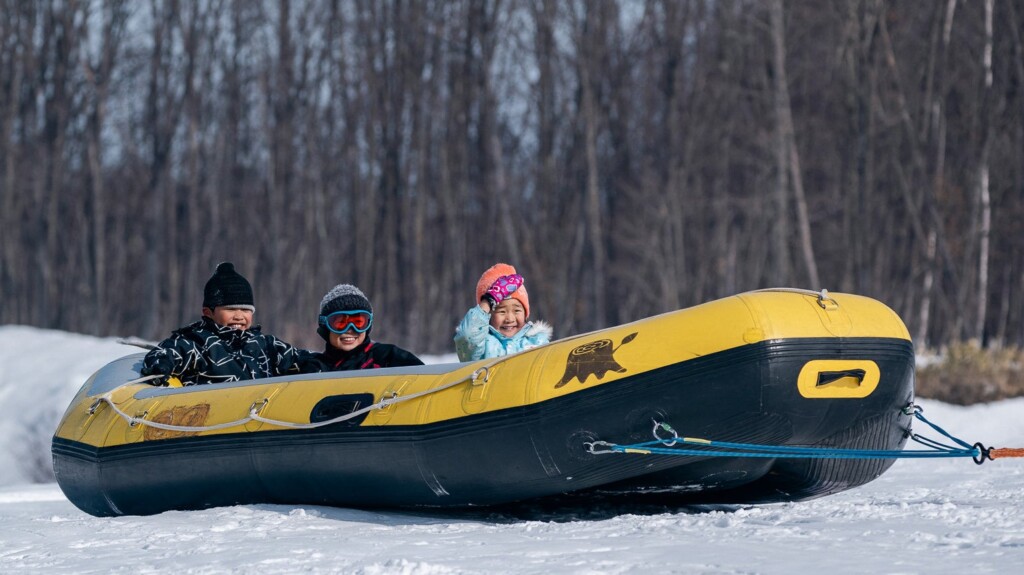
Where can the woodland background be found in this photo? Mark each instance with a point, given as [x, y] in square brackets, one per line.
[628, 157]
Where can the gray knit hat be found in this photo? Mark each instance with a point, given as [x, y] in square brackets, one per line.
[342, 297]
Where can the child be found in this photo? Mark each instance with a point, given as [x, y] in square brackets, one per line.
[346, 317]
[224, 345]
[498, 325]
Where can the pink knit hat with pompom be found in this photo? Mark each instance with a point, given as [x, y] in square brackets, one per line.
[492, 274]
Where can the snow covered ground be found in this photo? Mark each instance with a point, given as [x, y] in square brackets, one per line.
[922, 516]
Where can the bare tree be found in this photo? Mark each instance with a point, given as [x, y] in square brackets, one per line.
[984, 194]
[788, 158]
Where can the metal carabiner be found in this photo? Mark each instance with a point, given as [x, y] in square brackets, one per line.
[592, 447]
[668, 428]
[912, 409]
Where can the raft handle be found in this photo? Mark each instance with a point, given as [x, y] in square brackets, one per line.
[476, 374]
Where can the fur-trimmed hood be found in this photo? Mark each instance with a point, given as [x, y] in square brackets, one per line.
[476, 339]
[535, 328]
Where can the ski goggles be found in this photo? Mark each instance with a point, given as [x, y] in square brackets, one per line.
[341, 321]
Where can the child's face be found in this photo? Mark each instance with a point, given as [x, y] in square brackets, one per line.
[347, 341]
[508, 317]
[233, 317]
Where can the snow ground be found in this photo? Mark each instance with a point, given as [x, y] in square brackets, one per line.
[922, 516]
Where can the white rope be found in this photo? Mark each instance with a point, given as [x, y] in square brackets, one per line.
[383, 403]
[255, 408]
[822, 295]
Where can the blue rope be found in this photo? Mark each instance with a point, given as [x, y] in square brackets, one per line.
[662, 446]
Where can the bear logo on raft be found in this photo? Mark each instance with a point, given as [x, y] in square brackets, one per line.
[594, 358]
[185, 416]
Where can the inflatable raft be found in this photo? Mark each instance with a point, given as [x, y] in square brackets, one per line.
[773, 367]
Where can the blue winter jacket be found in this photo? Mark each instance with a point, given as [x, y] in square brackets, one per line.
[476, 339]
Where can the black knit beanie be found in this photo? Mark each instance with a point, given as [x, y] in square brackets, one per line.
[227, 288]
[342, 297]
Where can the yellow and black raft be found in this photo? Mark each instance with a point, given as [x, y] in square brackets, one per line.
[775, 367]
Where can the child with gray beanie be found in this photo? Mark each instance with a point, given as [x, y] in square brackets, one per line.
[346, 318]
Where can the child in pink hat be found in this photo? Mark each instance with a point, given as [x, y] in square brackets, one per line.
[499, 323]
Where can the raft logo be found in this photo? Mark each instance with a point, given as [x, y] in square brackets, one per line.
[594, 358]
[184, 416]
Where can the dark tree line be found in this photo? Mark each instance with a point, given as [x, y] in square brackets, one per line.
[629, 157]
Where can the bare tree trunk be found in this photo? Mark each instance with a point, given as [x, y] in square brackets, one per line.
[13, 70]
[587, 57]
[98, 76]
[806, 242]
[936, 109]
[998, 339]
[58, 104]
[780, 230]
[160, 122]
[984, 196]
[787, 156]
[926, 296]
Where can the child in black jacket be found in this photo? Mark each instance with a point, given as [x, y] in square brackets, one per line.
[346, 317]
[224, 345]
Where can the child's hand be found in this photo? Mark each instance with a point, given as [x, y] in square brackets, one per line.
[502, 288]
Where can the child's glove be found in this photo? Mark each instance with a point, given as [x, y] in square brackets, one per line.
[502, 288]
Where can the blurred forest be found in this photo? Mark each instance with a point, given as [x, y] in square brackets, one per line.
[629, 157]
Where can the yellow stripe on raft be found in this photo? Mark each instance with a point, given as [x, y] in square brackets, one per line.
[558, 369]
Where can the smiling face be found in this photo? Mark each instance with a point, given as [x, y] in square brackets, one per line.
[233, 317]
[347, 341]
[508, 317]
